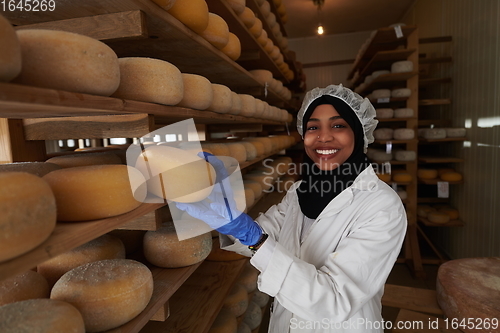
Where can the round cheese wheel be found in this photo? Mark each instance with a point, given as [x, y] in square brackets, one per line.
[103, 247]
[405, 155]
[248, 278]
[165, 4]
[222, 99]
[404, 134]
[265, 8]
[451, 176]
[80, 159]
[455, 132]
[40, 316]
[385, 177]
[384, 113]
[198, 93]
[402, 66]
[163, 248]
[376, 74]
[108, 293]
[403, 113]
[39, 169]
[402, 177]
[434, 133]
[218, 149]
[247, 17]
[268, 47]
[274, 54]
[256, 29]
[150, 80]
[423, 210]
[237, 151]
[225, 322]
[266, 143]
[259, 108]
[218, 254]
[251, 151]
[28, 215]
[67, 61]
[237, 5]
[20, 287]
[255, 186]
[401, 93]
[242, 327]
[192, 13]
[451, 212]
[262, 39]
[383, 133]
[368, 79]
[260, 298]
[263, 76]
[253, 316]
[95, 192]
[438, 217]
[381, 156]
[247, 105]
[427, 173]
[233, 47]
[249, 198]
[381, 93]
[10, 58]
[217, 31]
[259, 146]
[236, 104]
[179, 175]
[237, 300]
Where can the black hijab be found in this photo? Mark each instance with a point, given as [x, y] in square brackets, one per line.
[319, 187]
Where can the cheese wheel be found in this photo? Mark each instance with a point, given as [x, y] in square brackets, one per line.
[237, 151]
[247, 105]
[225, 322]
[256, 29]
[444, 170]
[259, 108]
[401, 93]
[108, 293]
[381, 93]
[381, 156]
[260, 298]
[192, 13]
[198, 93]
[274, 54]
[95, 192]
[402, 177]
[218, 254]
[455, 132]
[28, 215]
[384, 113]
[259, 146]
[67, 61]
[40, 316]
[266, 143]
[10, 57]
[263, 76]
[251, 151]
[233, 47]
[248, 17]
[402, 66]
[427, 173]
[20, 287]
[243, 328]
[423, 210]
[86, 159]
[405, 155]
[404, 134]
[376, 74]
[217, 31]
[236, 104]
[218, 149]
[385, 177]
[248, 278]
[434, 133]
[237, 300]
[163, 248]
[451, 176]
[383, 133]
[237, 5]
[438, 217]
[451, 212]
[403, 113]
[403, 195]
[249, 198]
[253, 316]
[262, 39]
[265, 8]
[165, 4]
[222, 99]
[179, 175]
[268, 47]
[368, 79]
[255, 186]
[39, 169]
[150, 80]
[103, 247]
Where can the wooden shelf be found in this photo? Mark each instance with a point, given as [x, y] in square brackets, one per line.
[451, 223]
[392, 100]
[431, 122]
[394, 142]
[432, 200]
[197, 302]
[430, 102]
[67, 236]
[386, 80]
[422, 140]
[435, 181]
[383, 120]
[438, 160]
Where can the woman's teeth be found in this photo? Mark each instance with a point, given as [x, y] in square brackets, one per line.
[326, 152]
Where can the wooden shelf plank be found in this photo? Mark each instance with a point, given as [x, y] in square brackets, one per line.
[383, 120]
[435, 181]
[392, 100]
[439, 80]
[433, 200]
[197, 302]
[430, 122]
[67, 236]
[422, 140]
[451, 223]
[383, 142]
[417, 299]
[439, 39]
[427, 102]
[444, 159]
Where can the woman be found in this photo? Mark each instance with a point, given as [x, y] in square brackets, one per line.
[326, 250]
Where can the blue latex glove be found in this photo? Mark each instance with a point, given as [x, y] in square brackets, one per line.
[219, 210]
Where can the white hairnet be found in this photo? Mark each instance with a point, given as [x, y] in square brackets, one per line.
[362, 107]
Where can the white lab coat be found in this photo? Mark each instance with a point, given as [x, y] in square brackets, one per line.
[332, 280]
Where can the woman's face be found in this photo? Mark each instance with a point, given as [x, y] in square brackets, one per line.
[328, 139]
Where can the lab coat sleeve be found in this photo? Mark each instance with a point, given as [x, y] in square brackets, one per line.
[351, 276]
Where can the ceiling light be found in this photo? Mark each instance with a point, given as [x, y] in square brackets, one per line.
[319, 3]
[320, 29]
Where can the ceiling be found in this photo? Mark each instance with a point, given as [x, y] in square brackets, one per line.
[342, 16]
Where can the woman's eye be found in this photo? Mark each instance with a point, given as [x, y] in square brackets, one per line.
[338, 126]
[312, 128]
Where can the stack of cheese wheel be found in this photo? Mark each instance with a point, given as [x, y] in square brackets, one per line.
[225, 322]
[67, 61]
[108, 293]
[85, 159]
[29, 213]
[249, 198]
[20, 287]
[198, 93]
[192, 13]
[41, 316]
[39, 169]
[237, 300]
[222, 99]
[150, 80]
[96, 192]
[10, 59]
[163, 248]
[101, 248]
[403, 195]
